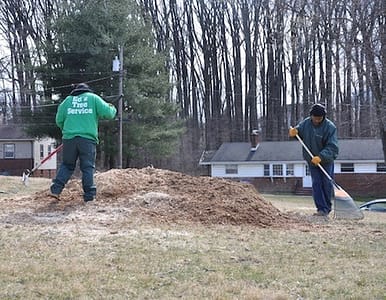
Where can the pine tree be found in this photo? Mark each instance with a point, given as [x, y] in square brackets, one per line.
[87, 35]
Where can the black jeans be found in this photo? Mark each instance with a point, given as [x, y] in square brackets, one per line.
[74, 149]
[322, 187]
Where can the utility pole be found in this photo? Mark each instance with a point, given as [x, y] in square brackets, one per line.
[118, 67]
[120, 104]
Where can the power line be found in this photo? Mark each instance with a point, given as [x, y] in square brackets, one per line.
[89, 81]
[36, 106]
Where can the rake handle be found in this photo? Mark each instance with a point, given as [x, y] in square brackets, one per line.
[46, 158]
[310, 153]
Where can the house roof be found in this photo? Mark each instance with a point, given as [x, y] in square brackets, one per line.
[206, 157]
[349, 150]
[13, 133]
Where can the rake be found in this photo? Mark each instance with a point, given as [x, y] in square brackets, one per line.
[28, 172]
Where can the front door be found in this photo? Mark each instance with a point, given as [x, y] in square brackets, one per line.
[307, 180]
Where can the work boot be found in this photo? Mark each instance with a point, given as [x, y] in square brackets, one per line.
[320, 214]
[55, 196]
[89, 199]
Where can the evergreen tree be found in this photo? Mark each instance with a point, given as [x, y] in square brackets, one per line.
[87, 35]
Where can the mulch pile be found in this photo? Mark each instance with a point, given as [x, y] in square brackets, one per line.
[168, 196]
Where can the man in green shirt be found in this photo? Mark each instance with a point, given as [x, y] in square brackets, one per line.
[77, 117]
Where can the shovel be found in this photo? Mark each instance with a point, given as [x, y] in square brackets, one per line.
[344, 205]
[28, 172]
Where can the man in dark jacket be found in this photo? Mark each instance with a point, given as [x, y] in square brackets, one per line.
[320, 135]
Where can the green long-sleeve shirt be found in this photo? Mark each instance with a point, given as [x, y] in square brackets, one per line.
[78, 115]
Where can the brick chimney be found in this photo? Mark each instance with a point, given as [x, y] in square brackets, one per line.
[254, 136]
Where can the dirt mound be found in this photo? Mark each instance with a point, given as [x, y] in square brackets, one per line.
[175, 197]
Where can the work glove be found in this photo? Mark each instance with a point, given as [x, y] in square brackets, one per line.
[292, 132]
[316, 160]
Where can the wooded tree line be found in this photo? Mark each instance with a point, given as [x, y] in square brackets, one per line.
[238, 65]
[262, 64]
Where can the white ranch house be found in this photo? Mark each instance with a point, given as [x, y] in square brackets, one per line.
[19, 152]
[278, 166]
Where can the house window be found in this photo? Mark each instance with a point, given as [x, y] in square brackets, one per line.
[9, 150]
[49, 149]
[290, 170]
[41, 150]
[347, 167]
[277, 170]
[266, 170]
[231, 169]
[381, 167]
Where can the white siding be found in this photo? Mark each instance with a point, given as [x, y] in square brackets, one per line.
[218, 171]
[257, 170]
[244, 170]
[299, 170]
[250, 170]
[49, 164]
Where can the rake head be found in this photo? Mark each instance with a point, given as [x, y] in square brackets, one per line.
[25, 176]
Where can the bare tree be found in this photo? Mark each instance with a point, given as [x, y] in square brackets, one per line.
[382, 99]
[235, 31]
[275, 82]
[26, 28]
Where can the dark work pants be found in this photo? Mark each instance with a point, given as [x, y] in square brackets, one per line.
[74, 149]
[322, 187]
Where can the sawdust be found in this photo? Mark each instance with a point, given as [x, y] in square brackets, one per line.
[167, 196]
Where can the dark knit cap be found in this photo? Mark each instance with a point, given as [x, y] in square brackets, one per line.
[318, 110]
[81, 88]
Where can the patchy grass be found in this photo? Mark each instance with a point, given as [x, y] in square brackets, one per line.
[73, 259]
[13, 186]
[195, 263]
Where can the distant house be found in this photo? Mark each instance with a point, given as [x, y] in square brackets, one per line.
[19, 152]
[279, 166]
